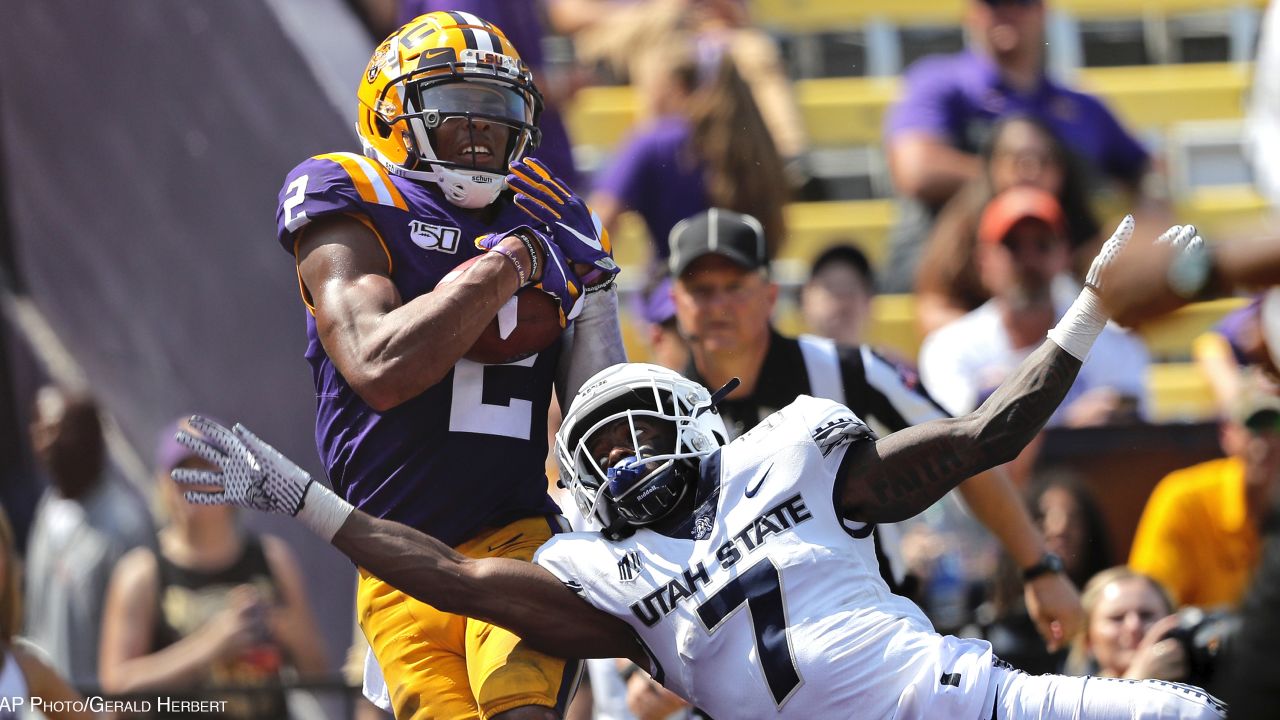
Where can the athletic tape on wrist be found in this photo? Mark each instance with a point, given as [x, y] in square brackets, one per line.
[1080, 327]
[323, 512]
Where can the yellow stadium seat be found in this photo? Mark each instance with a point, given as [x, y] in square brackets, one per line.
[1178, 392]
[810, 16]
[849, 112]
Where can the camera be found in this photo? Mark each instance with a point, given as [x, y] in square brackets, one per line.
[1205, 638]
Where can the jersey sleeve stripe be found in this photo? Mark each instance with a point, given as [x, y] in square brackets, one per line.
[371, 181]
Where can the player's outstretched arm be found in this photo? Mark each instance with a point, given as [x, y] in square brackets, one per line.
[517, 595]
[903, 473]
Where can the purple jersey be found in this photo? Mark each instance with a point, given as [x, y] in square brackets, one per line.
[469, 451]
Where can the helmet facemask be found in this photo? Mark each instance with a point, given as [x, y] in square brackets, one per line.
[668, 438]
[470, 103]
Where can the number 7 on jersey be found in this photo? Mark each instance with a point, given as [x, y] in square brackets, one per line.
[760, 589]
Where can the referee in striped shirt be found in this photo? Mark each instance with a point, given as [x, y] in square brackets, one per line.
[724, 300]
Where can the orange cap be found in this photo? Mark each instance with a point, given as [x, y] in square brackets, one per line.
[1014, 205]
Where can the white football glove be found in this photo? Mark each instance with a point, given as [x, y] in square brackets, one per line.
[1110, 250]
[1183, 237]
[251, 473]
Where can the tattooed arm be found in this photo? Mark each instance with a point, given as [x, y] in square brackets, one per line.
[904, 473]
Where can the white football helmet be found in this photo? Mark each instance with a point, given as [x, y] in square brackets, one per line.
[645, 487]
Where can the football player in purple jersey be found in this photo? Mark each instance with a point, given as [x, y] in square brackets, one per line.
[408, 428]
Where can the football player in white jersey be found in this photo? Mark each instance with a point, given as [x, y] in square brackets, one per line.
[741, 575]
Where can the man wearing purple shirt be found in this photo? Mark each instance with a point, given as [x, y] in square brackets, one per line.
[655, 175]
[950, 102]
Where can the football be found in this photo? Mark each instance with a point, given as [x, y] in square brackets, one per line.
[527, 324]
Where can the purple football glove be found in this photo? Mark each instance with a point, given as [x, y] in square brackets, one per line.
[574, 227]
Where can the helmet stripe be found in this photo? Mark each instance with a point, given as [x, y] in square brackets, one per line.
[479, 30]
[467, 33]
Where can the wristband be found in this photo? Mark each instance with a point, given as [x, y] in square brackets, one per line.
[1082, 324]
[533, 256]
[524, 279]
[322, 511]
[1048, 563]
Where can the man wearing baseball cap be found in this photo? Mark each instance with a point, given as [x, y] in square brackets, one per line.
[724, 301]
[1023, 259]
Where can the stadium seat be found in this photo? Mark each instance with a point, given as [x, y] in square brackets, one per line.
[849, 111]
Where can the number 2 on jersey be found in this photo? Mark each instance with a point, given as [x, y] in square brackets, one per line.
[760, 589]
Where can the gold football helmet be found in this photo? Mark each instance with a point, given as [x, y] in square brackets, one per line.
[454, 72]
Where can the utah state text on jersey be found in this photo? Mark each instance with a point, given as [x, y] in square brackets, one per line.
[783, 516]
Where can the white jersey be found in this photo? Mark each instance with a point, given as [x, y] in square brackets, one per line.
[777, 608]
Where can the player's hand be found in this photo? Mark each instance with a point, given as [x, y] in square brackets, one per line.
[1054, 606]
[553, 273]
[250, 473]
[1110, 250]
[574, 227]
[1138, 283]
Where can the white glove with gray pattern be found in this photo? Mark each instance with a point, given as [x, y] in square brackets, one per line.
[251, 473]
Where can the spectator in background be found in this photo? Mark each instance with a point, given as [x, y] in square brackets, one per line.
[836, 299]
[23, 673]
[707, 147]
[620, 34]
[1127, 615]
[1225, 351]
[84, 523]
[1198, 534]
[523, 24]
[949, 103]
[1073, 529]
[216, 606]
[1021, 151]
[724, 300]
[1023, 256]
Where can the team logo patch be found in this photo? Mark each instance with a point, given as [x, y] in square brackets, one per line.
[702, 527]
[434, 237]
[384, 56]
[629, 566]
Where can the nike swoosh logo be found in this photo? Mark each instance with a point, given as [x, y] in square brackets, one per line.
[435, 53]
[499, 546]
[753, 489]
[592, 243]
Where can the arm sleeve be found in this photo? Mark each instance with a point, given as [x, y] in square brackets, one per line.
[593, 342]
